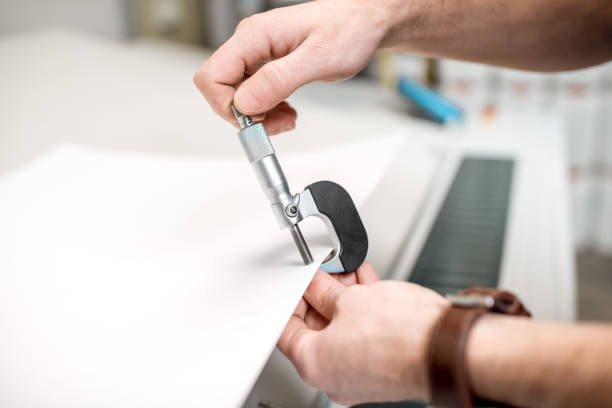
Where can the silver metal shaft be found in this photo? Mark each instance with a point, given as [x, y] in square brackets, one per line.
[243, 120]
[261, 155]
[301, 244]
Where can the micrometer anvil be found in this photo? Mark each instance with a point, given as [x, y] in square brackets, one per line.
[324, 199]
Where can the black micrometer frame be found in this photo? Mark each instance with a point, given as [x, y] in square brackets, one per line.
[336, 204]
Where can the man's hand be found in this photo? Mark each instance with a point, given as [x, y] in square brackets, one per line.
[363, 340]
[274, 53]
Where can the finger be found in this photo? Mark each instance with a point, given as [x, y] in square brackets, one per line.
[217, 86]
[260, 39]
[348, 278]
[314, 320]
[280, 119]
[344, 277]
[294, 341]
[323, 293]
[259, 118]
[275, 81]
[366, 274]
[301, 309]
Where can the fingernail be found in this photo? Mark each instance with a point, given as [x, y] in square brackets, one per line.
[246, 101]
[288, 126]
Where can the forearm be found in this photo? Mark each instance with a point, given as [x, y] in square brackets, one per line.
[527, 363]
[547, 35]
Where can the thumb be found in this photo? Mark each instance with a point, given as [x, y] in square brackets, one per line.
[274, 82]
[322, 294]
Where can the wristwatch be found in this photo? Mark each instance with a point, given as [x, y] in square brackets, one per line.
[448, 376]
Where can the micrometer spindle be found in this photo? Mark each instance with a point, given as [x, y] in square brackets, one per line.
[261, 155]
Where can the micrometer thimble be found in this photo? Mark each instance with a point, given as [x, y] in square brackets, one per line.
[261, 155]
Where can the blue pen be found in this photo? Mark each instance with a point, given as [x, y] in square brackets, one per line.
[433, 104]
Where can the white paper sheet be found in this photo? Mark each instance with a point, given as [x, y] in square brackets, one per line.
[129, 280]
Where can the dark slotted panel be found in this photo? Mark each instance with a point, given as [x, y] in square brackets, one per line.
[466, 241]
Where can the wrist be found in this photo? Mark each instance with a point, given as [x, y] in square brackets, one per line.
[415, 370]
[381, 16]
[386, 19]
[401, 19]
[464, 348]
[482, 345]
[488, 359]
[446, 305]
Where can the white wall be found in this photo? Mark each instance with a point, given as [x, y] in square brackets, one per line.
[107, 18]
[584, 99]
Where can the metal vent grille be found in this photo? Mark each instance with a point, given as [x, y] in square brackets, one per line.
[466, 241]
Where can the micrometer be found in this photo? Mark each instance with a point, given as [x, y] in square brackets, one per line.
[324, 199]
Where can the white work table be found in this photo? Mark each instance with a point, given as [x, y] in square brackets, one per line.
[62, 87]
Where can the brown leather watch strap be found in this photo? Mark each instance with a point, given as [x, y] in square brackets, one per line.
[448, 376]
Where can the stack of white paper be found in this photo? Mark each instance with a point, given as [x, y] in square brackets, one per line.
[133, 280]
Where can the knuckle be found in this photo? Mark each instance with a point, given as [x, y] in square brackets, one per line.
[242, 24]
[324, 299]
[320, 301]
[294, 348]
[248, 22]
[307, 374]
[303, 358]
[274, 75]
[333, 397]
[197, 79]
[205, 83]
[201, 78]
[338, 399]
[219, 102]
[310, 373]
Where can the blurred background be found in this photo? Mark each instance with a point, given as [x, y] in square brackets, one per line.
[584, 97]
